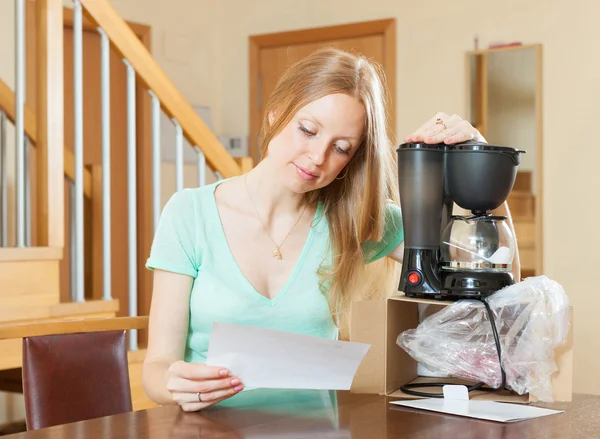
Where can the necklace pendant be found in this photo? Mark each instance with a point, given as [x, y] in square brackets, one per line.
[277, 253]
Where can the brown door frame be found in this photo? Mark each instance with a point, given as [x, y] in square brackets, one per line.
[386, 27]
[145, 230]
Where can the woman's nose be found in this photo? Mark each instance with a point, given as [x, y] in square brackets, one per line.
[318, 153]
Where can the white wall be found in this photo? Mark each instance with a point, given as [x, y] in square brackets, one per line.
[433, 37]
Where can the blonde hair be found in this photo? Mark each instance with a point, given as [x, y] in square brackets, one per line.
[355, 204]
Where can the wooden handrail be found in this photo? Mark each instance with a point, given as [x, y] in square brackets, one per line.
[124, 41]
[7, 103]
[245, 163]
[10, 331]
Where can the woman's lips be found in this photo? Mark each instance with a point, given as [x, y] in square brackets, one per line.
[304, 174]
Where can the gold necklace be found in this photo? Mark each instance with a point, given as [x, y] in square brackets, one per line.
[277, 252]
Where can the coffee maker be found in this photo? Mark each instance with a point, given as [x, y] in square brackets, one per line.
[446, 256]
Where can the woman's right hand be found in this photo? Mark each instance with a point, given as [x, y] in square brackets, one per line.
[195, 386]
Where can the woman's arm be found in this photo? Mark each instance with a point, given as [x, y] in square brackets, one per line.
[398, 253]
[168, 325]
[166, 378]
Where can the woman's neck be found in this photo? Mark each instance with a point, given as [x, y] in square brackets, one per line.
[270, 197]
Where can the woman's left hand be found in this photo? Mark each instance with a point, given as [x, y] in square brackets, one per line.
[442, 128]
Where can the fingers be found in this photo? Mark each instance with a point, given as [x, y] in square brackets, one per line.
[190, 401]
[460, 137]
[454, 126]
[419, 134]
[178, 384]
[219, 394]
[445, 129]
[196, 406]
[188, 380]
[194, 371]
[441, 129]
[205, 397]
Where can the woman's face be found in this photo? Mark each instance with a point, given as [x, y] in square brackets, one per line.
[312, 150]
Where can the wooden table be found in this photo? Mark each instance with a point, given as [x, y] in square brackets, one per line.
[321, 414]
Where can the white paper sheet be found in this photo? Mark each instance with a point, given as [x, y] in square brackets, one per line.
[274, 359]
[490, 410]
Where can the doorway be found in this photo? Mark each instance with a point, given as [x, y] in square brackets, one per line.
[271, 54]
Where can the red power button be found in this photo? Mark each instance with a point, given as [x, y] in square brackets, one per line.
[414, 278]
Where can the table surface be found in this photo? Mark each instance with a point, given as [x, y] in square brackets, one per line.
[290, 414]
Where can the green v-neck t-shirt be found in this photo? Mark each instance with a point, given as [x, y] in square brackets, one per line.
[190, 240]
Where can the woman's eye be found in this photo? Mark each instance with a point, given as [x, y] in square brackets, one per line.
[342, 150]
[305, 131]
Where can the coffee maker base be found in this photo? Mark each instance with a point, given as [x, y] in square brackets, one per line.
[458, 285]
[472, 284]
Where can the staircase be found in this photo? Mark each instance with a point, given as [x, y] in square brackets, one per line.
[50, 256]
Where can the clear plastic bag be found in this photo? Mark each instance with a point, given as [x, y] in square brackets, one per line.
[532, 318]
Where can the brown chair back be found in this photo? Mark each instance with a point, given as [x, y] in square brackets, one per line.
[74, 377]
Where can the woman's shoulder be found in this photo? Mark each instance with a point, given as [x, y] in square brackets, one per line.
[192, 199]
[194, 208]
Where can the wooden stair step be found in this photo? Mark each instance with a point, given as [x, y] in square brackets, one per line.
[526, 233]
[525, 230]
[59, 311]
[523, 181]
[527, 259]
[521, 204]
[30, 278]
[14, 254]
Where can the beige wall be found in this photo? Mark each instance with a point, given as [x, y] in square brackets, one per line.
[431, 77]
[184, 42]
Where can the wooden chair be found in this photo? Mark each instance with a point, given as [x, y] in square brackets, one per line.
[74, 370]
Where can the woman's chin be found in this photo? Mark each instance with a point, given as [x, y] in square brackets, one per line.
[299, 185]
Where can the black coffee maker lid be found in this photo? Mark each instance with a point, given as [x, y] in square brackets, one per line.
[465, 146]
[423, 145]
[480, 146]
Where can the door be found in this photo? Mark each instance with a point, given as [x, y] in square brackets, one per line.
[271, 54]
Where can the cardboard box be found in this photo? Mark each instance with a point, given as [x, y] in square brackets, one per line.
[387, 367]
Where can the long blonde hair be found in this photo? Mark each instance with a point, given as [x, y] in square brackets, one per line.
[355, 204]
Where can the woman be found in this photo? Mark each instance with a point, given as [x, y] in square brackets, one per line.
[315, 225]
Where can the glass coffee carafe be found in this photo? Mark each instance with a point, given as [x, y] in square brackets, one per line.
[476, 255]
[477, 243]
